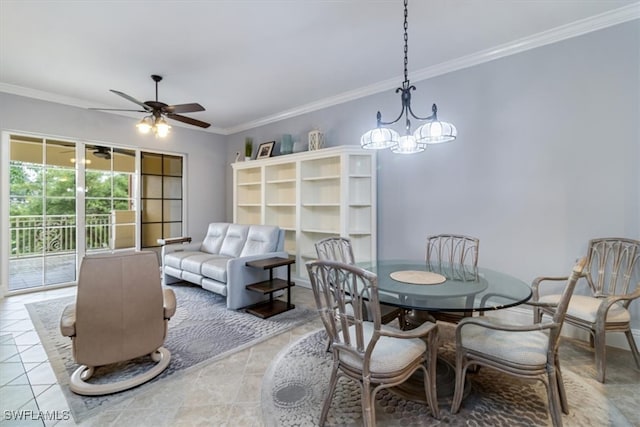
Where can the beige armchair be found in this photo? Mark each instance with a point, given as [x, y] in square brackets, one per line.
[526, 351]
[121, 313]
[364, 350]
[613, 266]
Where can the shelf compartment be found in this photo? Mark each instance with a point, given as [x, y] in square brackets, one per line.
[281, 172]
[248, 194]
[328, 166]
[281, 192]
[282, 216]
[320, 218]
[360, 219]
[360, 165]
[360, 190]
[249, 176]
[248, 214]
[320, 192]
[270, 308]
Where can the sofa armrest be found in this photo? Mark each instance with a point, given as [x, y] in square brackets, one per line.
[239, 276]
[68, 321]
[174, 240]
[178, 247]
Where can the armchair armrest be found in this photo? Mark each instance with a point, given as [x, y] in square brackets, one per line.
[499, 326]
[169, 303]
[68, 321]
[539, 280]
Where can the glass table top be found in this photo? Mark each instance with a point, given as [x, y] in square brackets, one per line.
[465, 288]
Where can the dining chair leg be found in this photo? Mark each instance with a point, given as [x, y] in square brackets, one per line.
[633, 347]
[564, 404]
[431, 374]
[553, 397]
[459, 386]
[332, 389]
[600, 355]
[368, 409]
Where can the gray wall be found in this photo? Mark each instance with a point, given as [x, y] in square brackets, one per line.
[206, 152]
[547, 155]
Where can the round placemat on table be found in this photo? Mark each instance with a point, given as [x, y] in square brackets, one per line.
[418, 277]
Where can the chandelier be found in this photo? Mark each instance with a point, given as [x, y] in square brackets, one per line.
[432, 132]
[154, 123]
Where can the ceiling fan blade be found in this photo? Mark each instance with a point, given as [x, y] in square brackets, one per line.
[132, 99]
[118, 109]
[183, 108]
[188, 120]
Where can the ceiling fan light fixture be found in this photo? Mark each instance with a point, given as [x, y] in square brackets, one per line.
[161, 127]
[144, 125]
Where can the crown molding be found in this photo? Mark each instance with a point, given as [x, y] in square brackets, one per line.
[564, 32]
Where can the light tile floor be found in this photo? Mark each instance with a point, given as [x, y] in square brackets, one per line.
[224, 393]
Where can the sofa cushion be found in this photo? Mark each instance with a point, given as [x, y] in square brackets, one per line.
[193, 264]
[216, 269]
[261, 239]
[214, 238]
[174, 259]
[234, 240]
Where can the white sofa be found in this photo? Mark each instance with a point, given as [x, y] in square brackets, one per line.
[217, 263]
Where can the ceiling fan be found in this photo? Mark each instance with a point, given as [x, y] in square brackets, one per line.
[158, 111]
[103, 152]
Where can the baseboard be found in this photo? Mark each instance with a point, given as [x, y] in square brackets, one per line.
[525, 316]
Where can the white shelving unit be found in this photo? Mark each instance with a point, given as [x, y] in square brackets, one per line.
[311, 195]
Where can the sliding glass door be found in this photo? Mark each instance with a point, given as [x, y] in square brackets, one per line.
[42, 213]
[68, 198]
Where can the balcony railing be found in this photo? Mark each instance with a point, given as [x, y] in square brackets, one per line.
[34, 235]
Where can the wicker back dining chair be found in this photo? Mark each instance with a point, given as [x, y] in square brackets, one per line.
[613, 266]
[455, 256]
[340, 249]
[452, 249]
[363, 350]
[526, 351]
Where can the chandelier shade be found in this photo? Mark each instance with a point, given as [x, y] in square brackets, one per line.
[379, 138]
[408, 145]
[432, 132]
[435, 132]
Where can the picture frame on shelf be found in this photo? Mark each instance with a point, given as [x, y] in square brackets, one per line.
[265, 149]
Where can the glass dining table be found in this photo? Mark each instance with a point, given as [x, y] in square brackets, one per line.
[418, 285]
[423, 288]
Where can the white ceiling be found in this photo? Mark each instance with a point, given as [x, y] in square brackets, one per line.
[252, 62]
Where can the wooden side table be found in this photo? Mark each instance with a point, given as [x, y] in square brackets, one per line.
[272, 306]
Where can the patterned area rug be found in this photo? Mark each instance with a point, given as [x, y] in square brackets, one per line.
[296, 383]
[201, 331]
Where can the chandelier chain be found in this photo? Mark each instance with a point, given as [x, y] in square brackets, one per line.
[406, 44]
